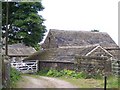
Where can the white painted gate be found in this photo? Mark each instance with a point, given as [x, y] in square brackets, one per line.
[26, 67]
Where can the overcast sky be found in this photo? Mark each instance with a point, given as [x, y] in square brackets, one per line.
[82, 15]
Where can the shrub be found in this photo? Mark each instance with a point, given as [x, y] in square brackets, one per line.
[60, 73]
[14, 76]
[54, 73]
[67, 73]
[81, 75]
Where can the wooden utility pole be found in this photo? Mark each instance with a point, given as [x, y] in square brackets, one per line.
[6, 61]
[0, 45]
[6, 35]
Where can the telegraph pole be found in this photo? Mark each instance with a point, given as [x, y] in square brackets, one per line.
[6, 60]
[6, 35]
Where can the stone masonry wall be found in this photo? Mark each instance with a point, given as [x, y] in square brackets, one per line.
[94, 65]
[56, 65]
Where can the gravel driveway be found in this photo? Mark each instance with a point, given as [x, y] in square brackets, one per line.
[43, 82]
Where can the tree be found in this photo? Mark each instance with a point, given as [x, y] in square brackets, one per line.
[25, 25]
[94, 30]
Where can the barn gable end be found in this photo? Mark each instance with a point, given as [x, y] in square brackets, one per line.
[99, 51]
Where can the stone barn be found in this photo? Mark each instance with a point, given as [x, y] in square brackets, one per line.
[17, 53]
[60, 38]
[61, 47]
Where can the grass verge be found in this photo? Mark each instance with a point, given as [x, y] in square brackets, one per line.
[80, 79]
[112, 82]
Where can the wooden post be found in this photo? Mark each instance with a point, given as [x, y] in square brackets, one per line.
[6, 60]
[105, 82]
[0, 45]
[6, 34]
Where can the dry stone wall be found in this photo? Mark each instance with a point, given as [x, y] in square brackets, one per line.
[56, 65]
[94, 65]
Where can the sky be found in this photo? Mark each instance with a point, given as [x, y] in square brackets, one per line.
[85, 15]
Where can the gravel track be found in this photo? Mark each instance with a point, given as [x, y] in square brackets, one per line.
[43, 82]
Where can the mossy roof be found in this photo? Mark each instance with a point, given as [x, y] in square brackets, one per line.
[79, 38]
[20, 50]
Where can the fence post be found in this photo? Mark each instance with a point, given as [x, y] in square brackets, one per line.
[105, 82]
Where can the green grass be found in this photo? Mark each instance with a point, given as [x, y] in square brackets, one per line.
[83, 83]
[112, 82]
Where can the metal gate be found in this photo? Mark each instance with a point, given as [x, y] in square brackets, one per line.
[26, 66]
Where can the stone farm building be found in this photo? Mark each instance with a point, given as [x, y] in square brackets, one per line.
[17, 52]
[61, 48]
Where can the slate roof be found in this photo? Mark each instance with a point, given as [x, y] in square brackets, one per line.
[20, 50]
[54, 54]
[62, 53]
[62, 45]
[78, 38]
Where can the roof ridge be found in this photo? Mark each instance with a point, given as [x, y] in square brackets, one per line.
[79, 46]
[76, 31]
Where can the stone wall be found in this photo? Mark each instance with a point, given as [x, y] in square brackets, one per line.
[56, 65]
[94, 65]
[90, 65]
[116, 67]
[100, 52]
[49, 42]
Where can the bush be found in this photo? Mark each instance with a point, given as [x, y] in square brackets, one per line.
[14, 76]
[68, 73]
[81, 75]
[54, 73]
[60, 73]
